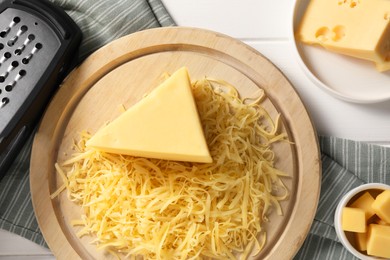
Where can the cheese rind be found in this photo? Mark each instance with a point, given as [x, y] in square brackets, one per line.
[378, 240]
[353, 220]
[164, 125]
[356, 28]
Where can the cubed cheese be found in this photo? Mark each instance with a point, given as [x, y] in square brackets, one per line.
[163, 125]
[378, 240]
[353, 219]
[381, 222]
[352, 27]
[361, 241]
[381, 205]
[364, 202]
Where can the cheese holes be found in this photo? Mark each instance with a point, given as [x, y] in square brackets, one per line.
[323, 34]
[386, 16]
[349, 3]
[338, 33]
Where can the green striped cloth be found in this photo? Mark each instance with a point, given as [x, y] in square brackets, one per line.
[102, 21]
[345, 163]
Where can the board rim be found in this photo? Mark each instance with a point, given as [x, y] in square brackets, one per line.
[95, 67]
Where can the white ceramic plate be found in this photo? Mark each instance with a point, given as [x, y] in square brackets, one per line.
[344, 77]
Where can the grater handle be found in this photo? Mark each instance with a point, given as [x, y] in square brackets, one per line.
[12, 149]
[49, 22]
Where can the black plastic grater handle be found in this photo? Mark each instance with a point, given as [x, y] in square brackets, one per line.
[38, 43]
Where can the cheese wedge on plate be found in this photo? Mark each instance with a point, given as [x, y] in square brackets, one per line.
[164, 125]
[358, 28]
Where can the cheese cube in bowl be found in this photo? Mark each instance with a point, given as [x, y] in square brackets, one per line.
[361, 221]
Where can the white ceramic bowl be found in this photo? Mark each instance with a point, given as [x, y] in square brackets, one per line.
[343, 77]
[343, 203]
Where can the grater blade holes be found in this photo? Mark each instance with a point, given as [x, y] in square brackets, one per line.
[4, 101]
[27, 41]
[8, 88]
[5, 57]
[16, 19]
[23, 28]
[31, 37]
[13, 65]
[38, 46]
[22, 73]
[13, 40]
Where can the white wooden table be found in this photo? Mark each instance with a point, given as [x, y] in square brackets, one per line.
[266, 26]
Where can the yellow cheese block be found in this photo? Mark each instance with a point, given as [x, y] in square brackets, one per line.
[364, 202]
[353, 220]
[164, 125]
[383, 66]
[381, 222]
[361, 241]
[357, 28]
[381, 206]
[378, 240]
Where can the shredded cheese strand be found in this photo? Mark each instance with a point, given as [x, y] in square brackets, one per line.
[178, 210]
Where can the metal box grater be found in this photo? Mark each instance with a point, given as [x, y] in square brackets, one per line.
[38, 42]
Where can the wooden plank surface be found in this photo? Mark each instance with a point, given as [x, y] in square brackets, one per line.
[246, 20]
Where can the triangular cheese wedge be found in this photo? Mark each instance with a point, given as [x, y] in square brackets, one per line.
[164, 125]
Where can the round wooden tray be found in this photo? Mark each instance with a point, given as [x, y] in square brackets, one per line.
[120, 73]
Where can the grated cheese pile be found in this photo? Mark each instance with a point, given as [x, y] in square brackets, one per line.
[176, 210]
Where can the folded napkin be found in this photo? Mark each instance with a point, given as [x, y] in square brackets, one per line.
[346, 164]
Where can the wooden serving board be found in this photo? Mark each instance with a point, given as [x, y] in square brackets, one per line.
[120, 73]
